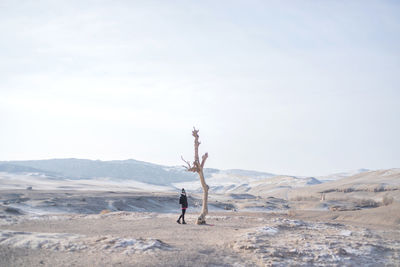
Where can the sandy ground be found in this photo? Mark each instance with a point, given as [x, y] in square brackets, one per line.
[137, 232]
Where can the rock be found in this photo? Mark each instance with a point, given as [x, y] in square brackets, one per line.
[13, 211]
[340, 251]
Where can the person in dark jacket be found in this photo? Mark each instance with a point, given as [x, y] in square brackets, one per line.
[183, 201]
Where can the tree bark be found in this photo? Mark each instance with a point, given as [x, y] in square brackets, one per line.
[204, 211]
[198, 166]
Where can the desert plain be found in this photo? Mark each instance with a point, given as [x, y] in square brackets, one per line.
[351, 221]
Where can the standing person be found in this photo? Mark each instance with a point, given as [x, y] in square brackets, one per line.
[183, 201]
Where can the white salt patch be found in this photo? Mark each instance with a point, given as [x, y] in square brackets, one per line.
[132, 245]
[345, 233]
[150, 244]
[138, 245]
[269, 230]
[123, 243]
[56, 241]
[75, 242]
[300, 243]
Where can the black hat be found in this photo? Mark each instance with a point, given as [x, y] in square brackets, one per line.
[183, 190]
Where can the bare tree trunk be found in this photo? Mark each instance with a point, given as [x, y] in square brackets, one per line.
[204, 210]
[198, 167]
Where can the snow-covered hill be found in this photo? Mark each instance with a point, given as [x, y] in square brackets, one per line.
[120, 171]
[224, 182]
[94, 169]
[81, 174]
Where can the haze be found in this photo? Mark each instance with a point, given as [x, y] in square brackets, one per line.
[309, 88]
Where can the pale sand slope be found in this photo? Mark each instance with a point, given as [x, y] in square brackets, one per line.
[370, 183]
[375, 184]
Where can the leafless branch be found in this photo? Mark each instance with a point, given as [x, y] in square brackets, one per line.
[189, 167]
[203, 160]
[187, 163]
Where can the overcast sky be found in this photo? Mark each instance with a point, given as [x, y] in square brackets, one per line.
[289, 87]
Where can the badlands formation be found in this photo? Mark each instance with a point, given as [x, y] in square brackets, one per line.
[254, 219]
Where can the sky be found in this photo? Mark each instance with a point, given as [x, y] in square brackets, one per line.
[287, 87]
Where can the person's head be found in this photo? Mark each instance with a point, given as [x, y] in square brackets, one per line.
[183, 191]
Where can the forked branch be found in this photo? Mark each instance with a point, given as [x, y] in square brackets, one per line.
[188, 167]
[203, 160]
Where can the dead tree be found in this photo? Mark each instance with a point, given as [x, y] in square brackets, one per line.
[198, 166]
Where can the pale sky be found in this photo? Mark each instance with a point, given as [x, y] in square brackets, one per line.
[288, 87]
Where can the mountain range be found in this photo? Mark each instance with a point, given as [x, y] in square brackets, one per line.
[220, 181]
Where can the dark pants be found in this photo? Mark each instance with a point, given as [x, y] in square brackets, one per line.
[182, 215]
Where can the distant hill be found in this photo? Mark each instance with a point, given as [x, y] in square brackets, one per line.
[87, 169]
[220, 181]
[365, 181]
[258, 185]
[119, 169]
[341, 175]
[14, 168]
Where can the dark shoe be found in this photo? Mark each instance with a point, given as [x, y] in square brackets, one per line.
[183, 222]
[178, 221]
